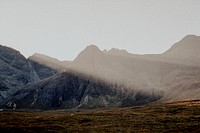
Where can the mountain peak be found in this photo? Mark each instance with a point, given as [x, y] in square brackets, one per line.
[10, 56]
[189, 46]
[191, 37]
[190, 40]
[41, 56]
[115, 51]
[8, 50]
[90, 51]
[92, 48]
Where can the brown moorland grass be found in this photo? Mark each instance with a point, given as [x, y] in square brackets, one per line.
[172, 117]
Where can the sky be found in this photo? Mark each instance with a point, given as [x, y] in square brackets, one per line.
[63, 28]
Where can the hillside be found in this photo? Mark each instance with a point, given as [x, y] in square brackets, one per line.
[151, 73]
[71, 90]
[15, 71]
[171, 117]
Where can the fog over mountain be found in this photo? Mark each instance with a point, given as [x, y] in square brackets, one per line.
[49, 61]
[72, 90]
[98, 78]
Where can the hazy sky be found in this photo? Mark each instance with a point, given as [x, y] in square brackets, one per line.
[62, 28]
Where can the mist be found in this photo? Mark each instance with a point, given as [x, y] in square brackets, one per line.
[150, 73]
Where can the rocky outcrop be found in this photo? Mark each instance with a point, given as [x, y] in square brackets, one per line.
[42, 70]
[15, 71]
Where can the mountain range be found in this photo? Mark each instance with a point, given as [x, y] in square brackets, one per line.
[96, 79]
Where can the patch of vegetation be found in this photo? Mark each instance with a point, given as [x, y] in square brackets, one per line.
[174, 117]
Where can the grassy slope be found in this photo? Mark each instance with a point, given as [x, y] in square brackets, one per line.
[172, 117]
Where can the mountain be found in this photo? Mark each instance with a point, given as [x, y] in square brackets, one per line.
[186, 51]
[41, 70]
[106, 78]
[49, 62]
[118, 52]
[183, 89]
[73, 90]
[132, 69]
[188, 47]
[91, 55]
[91, 61]
[15, 71]
[147, 72]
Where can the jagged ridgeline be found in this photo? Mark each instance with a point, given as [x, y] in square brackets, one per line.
[96, 79]
[35, 85]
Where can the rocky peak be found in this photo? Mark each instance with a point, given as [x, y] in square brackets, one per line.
[13, 58]
[188, 47]
[15, 71]
[90, 53]
[119, 52]
[93, 48]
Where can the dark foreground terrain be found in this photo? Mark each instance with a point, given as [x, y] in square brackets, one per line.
[172, 117]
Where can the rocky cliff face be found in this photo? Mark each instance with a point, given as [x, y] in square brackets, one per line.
[41, 70]
[15, 71]
[70, 90]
